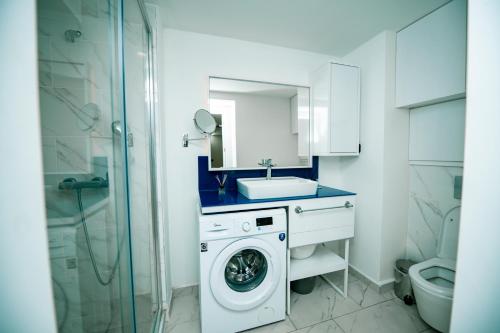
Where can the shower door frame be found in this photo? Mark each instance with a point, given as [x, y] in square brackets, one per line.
[150, 109]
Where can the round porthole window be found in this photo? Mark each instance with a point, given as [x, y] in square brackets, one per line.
[246, 270]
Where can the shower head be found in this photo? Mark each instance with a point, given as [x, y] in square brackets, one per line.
[71, 35]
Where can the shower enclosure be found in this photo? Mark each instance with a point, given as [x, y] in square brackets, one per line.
[97, 118]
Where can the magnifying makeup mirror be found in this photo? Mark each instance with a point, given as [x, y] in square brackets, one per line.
[204, 122]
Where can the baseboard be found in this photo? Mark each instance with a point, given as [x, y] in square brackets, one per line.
[182, 290]
[381, 286]
[385, 286]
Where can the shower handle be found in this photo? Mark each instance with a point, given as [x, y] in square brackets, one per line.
[116, 128]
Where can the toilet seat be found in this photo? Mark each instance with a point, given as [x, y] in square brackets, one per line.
[418, 279]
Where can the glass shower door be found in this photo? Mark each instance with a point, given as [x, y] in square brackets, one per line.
[94, 84]
[141, 163]
[84, 171]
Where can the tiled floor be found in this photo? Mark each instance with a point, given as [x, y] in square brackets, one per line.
[324, 310]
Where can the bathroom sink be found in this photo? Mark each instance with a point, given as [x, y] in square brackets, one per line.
[277, 187]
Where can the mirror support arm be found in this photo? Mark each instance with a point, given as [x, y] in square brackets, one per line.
[186, 139]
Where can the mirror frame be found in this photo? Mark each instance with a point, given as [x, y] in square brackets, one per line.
[310, 155]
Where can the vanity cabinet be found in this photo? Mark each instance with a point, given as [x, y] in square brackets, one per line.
[320, 221]
[336, 106]
[431, 57]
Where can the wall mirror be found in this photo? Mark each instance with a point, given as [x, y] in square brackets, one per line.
[259, 120]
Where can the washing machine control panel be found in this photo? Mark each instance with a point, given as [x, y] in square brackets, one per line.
[220, 226]
[246, 227]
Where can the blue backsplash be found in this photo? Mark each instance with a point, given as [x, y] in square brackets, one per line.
[207, 181]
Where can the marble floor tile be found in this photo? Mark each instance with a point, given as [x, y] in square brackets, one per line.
[185, 327]
[184, 309]
[322, 311]
[386, 317]
[283, 326]
[365, 295]
[322, 304]
[328, 326]
[413, 312]
[338, 278]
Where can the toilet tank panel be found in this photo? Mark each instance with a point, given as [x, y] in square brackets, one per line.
[448, 239]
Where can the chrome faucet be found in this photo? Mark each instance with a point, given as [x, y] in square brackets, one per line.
[268, 163]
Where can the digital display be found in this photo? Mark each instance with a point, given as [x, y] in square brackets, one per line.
[263, 221]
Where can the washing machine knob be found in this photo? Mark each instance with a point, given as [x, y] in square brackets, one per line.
[246, 226]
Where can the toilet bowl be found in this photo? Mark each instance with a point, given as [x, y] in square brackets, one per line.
[433, 280]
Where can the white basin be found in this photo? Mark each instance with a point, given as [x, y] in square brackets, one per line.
[277, 187]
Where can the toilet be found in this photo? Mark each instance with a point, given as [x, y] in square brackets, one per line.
[433, 280]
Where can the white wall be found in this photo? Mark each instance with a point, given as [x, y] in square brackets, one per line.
[188, 60]
[476, 297]
[380, 174]
[263, 129]
[395, 183]
[25, 285]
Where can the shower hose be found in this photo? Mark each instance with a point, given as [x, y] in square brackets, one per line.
[98, 274]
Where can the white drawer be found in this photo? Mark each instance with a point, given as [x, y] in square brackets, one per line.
[321, 220]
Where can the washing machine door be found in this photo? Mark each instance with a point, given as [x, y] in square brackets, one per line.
[245, 274]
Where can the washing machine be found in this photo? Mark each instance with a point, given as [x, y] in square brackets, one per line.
[242, 270]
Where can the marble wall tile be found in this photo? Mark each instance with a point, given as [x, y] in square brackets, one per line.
[90, 8]
[431, 197]
[44, 65]
[61, 113]
[49, 154]
[44, 73]
[65, 278]
[73, 155]
[80, 65]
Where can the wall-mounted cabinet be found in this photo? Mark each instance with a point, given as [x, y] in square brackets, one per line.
[336, 105]
[431, 57]
[437, 132]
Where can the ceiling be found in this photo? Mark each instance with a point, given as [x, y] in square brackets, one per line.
[333, 27]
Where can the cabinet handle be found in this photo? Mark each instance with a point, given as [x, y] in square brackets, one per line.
[299, 209]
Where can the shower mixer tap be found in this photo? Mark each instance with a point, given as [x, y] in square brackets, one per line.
[73, 184]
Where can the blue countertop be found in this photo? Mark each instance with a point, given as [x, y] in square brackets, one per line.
[211, 198]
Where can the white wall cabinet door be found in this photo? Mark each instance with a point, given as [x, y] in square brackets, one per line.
[294, 115]
[336, 105]
[437, 132]
[431, 57]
